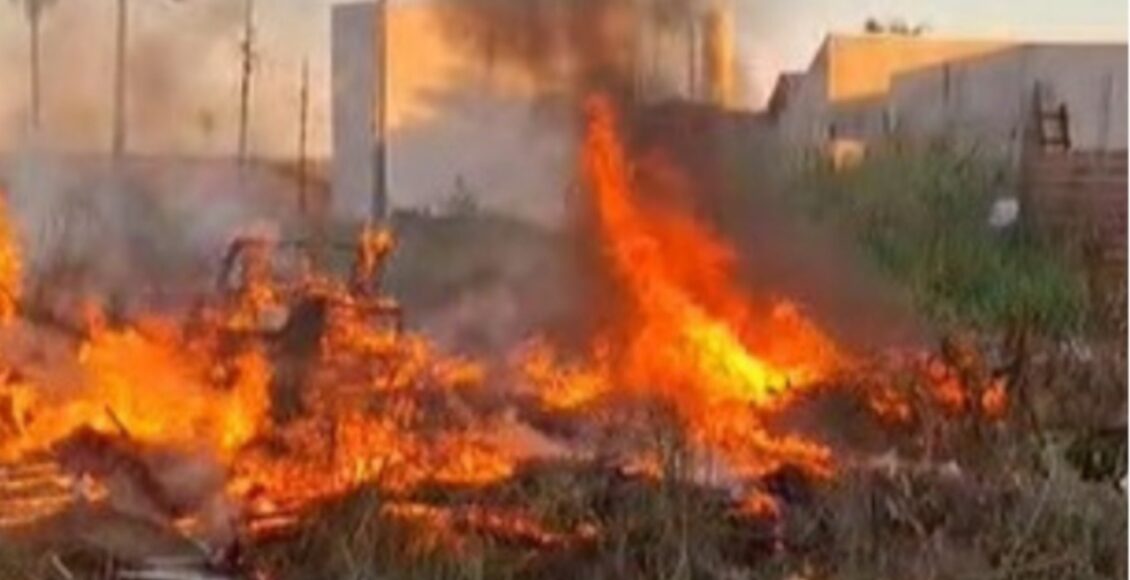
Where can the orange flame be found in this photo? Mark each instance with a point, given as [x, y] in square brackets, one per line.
[378, 411]
[11, 266]
[381, 407]
[689, 336]
[154, 390]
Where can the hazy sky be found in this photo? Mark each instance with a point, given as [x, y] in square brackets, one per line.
[773, 35]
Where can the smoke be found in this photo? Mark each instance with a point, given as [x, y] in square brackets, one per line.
[146, 233]
[577, 47]
[481, 284]
[182, 86]
[569, 46]
[183, 74]
[149, 226]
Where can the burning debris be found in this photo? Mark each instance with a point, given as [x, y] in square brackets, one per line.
[687, 338]
[245, 418]
[292, 420]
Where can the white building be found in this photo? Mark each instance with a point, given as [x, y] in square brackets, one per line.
[863, 89]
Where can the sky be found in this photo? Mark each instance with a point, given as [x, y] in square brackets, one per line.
[773, 35]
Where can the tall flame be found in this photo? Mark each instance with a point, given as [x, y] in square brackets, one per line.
[689, 336]
[342, 397]
[11, 267]
[154, 389]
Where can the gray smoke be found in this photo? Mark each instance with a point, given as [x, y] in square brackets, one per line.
[569, 45]
[140, 234]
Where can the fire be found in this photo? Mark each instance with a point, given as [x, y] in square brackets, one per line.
[442, 527]
[908, 385]
[688, 337]
[305, 391]
[338, 398]
[378, 407]
[561, 387]
[153, 389]
[11, 270]
[690, 325]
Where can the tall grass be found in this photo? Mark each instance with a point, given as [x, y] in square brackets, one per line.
[923, 216]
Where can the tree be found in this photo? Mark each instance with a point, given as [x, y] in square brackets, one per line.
[894, 27]
[462, 202]
[33, 10]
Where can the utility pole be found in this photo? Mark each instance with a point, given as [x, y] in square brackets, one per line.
[640, 59]
[303, 116]
[692, 59]
[247, 49]
[34, 13]
[380, 171]
[118, 146]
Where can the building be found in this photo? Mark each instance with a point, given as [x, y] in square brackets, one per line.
[358, 184]
[862, 89]
[454, 121]
[461, 120]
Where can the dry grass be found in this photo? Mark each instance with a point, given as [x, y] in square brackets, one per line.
[988, 501]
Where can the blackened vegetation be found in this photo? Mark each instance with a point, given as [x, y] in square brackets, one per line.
[1100, 455]
[295, 353]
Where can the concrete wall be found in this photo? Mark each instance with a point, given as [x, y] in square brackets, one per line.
[951, 99]
[1092, 82]
[862, 67]
[455, 123]
[976, 93]
[354, 97]
[803, 120]
[986, 102]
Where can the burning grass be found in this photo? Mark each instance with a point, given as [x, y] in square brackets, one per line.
[299, 430]
[892, 516]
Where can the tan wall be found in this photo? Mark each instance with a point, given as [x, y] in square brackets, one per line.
[803, 121]
[988, 100]
[455, 122]
[863, 66]
[870, 88]
[425, 63]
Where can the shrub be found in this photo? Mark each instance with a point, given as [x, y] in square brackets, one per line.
[923, 216]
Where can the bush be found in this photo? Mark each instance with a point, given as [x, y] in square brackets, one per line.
[923, 216]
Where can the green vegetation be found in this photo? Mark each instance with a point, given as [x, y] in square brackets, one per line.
[923, 216]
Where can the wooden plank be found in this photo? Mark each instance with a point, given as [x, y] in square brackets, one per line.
[1076, 166]
[1106, 200]
[1074, 193]
[1065, 176]
[1113, 188]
